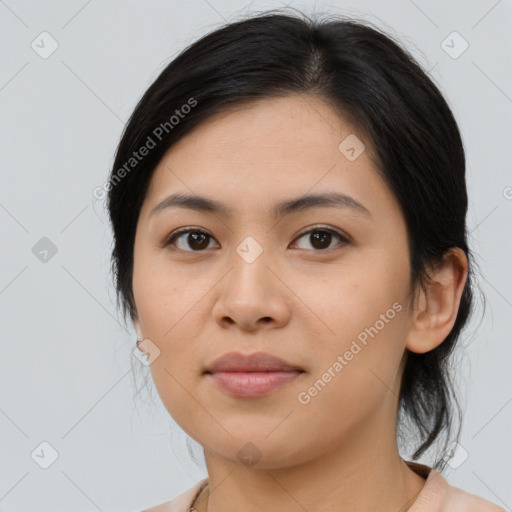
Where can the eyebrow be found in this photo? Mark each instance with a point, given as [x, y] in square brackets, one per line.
[209, 205]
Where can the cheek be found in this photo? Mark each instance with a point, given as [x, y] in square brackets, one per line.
[162, 295]
[169, 315]
[356, 296]
[365, 317]
[165, 306]
[355, 374]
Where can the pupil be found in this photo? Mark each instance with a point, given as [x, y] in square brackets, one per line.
[321, 236]
[193, 239]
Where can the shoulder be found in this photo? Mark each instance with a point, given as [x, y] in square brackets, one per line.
[463, 501]
[180, 503]
[439, 496]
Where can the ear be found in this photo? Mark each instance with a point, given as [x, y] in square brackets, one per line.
[435, 309]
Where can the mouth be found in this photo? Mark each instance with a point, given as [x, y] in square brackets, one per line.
[252, 375]
[252, 384]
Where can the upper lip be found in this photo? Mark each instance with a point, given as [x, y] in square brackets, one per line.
[255, 362]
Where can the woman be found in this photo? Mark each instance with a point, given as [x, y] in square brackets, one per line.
[288, 203]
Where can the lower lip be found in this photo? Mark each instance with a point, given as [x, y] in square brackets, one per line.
[247, 384]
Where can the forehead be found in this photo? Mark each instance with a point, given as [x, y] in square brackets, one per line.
[269, 150]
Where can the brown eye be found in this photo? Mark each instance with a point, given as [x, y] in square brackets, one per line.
[321, 238]
[194, 241]
[197, 240]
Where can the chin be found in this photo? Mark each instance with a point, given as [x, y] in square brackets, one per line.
[257, 450]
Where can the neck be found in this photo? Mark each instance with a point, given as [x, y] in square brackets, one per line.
[364, 473]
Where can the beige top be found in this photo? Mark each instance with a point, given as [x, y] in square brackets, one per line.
[437, 496]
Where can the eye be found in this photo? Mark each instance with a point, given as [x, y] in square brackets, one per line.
[321, 237]
[197, 239]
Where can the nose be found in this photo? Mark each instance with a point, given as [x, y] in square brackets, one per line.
[252, 297]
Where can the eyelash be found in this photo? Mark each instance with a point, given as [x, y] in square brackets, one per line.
[322, 229]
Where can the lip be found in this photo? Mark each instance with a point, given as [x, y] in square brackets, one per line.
[255, 362]
[251, 375]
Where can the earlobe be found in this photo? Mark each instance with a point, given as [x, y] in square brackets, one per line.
[437, 306]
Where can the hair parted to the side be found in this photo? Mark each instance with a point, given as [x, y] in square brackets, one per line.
[375, 85]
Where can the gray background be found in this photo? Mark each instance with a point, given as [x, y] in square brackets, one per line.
[67, 372]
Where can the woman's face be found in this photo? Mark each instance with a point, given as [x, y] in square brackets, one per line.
[260, 280]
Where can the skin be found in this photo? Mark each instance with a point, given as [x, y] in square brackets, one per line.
[295, 301]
